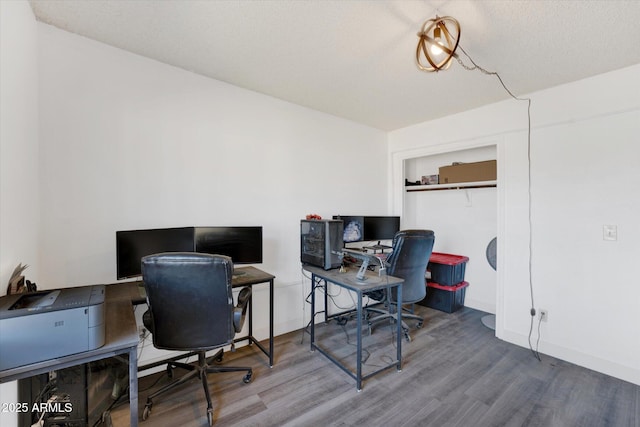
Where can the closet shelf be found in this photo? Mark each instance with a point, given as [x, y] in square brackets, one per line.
[452, 186]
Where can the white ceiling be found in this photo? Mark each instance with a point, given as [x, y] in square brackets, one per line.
[356, 58]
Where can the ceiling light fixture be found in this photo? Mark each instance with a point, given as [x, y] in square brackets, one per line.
[438, 42]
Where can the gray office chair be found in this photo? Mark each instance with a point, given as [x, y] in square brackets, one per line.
[408, 260]
[191, 309]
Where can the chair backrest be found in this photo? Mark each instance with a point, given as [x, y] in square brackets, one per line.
[190, 300]
[408, 260]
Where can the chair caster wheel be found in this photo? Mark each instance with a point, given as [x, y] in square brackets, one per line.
[407, 336]
[247, 378]
[218, 358]
[419, 325]
[146, 412]
[169, 371]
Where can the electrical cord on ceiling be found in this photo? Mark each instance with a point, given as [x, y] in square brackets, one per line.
[532, 312]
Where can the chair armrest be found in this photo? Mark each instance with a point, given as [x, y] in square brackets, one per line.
[240, 310]
[147, 322]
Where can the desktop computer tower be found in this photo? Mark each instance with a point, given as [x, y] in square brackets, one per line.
[58, 398]
[84, 394]
[320, 240]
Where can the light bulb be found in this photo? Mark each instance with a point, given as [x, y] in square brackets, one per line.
[435, 47]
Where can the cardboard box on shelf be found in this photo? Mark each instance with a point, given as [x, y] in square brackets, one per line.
[468, 172]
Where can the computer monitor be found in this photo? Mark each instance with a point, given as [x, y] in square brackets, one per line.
[132, 245]
[381, 227]
[353, 228]
[242, 244]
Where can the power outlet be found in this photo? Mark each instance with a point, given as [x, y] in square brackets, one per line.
[544, 315]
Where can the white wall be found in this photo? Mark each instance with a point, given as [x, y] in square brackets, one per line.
[128, 143]
[585, 169]
[19, 141]
[18, 154]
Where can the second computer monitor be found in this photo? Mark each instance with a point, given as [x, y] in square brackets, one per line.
[381, 227]
[368, 228]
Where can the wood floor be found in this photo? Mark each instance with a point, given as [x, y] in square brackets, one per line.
[455, 373]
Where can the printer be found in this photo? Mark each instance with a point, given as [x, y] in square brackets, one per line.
[51, 324]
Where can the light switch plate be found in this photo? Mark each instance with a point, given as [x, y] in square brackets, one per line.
[610, 232]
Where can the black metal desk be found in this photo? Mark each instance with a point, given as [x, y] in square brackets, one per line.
[348, 281]
[250, 276]
[121, 338]
[242, 276]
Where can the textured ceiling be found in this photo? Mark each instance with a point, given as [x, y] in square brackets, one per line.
[356, 58]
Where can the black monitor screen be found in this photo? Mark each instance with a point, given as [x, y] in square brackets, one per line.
[381, 227]
[132, 245]
[353, 228]
[242, 244]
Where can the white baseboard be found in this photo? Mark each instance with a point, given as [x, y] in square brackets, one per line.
[607, 367]
[480, 305]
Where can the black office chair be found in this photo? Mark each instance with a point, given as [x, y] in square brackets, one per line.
[408, 260]
[191, 309]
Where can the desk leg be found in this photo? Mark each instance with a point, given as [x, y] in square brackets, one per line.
[399, 331]
[271, 323]
[359, 344]
[312, 327]
[251, 316]
[133, 386]
[326, 302]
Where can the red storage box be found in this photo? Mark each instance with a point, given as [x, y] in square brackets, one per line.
[445, 298]
[447, 269]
